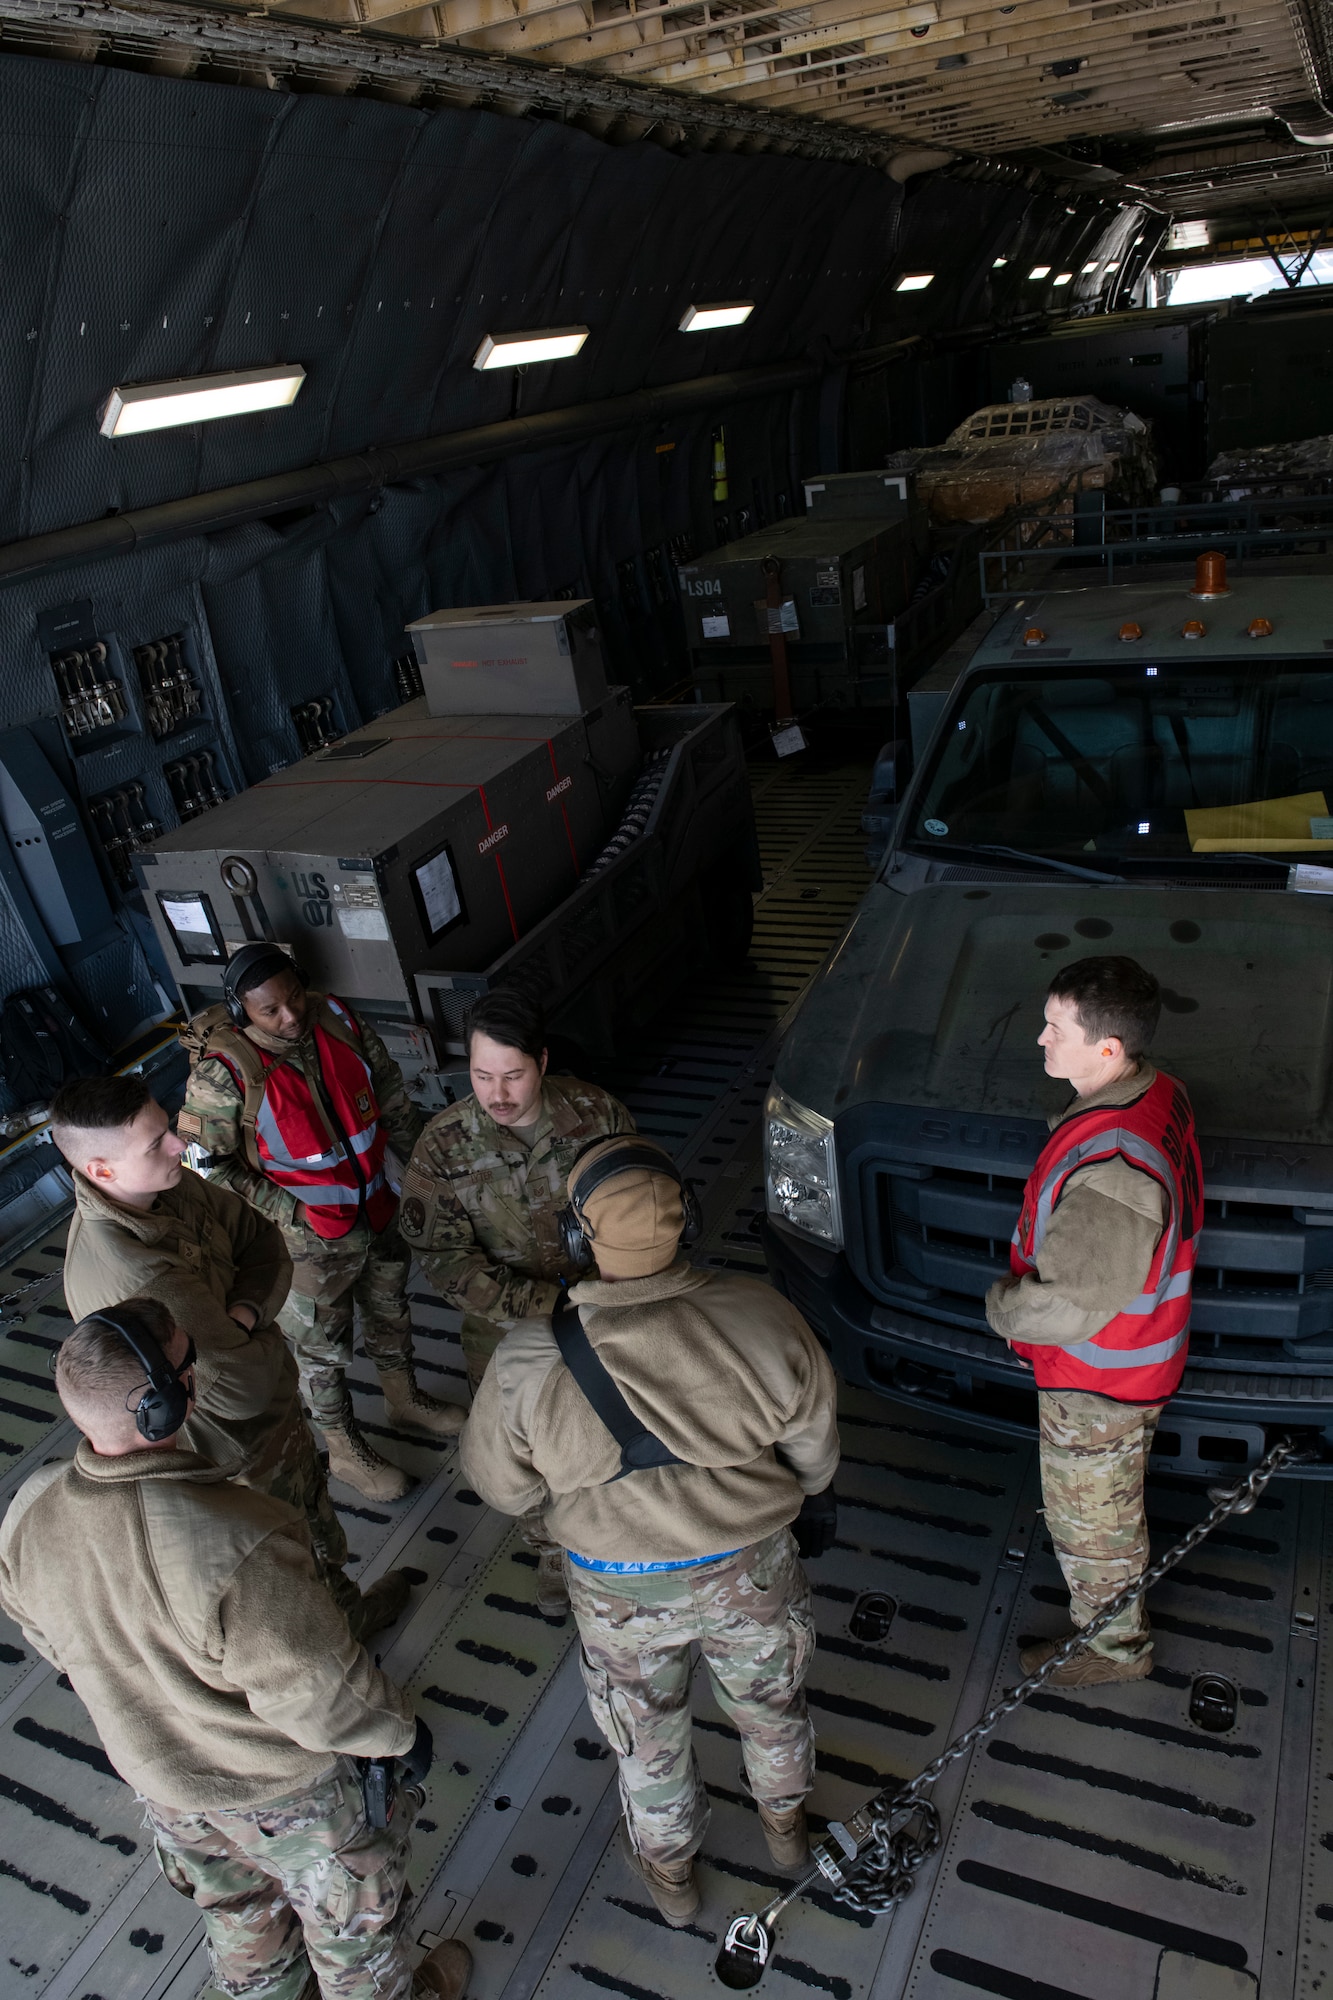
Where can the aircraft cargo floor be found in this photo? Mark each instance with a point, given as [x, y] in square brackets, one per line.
[1101, 1846]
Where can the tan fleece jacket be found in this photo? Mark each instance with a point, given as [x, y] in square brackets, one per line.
[187, 1613]
[199, 1250]
[1099, 1243]
[721, 1368]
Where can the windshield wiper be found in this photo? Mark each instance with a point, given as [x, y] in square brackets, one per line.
[1047, 861]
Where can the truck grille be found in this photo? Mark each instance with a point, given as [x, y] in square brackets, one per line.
[935, 1239]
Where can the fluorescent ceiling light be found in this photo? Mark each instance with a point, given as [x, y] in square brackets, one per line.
[195, 399]
[1188, 236]
[1063, 278]
[703, 319]
[515, 350]
[916, 281]
[1115, 266]
[998, 262]
[1040, 271]
[1088, 270]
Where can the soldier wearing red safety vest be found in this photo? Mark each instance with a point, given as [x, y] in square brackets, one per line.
[296, 1100]
[1098, 1296]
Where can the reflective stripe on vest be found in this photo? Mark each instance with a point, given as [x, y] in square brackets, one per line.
[1139, 1355]
[333, 1185]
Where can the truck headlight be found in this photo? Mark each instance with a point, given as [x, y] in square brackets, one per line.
[800, 1173]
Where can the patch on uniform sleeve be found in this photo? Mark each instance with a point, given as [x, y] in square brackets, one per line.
[412, 1216]
[363, 1103]
[189, 1124]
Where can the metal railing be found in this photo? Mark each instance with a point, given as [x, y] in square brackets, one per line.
[1028, 551]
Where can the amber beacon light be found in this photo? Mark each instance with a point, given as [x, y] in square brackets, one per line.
[1210, 575]
[1260, 628]
[1129, 631]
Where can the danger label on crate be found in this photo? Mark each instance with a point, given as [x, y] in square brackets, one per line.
[553, 791]
[493, 838]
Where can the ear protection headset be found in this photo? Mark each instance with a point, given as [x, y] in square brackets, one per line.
[576, 1232]
[251, 959]
[165, 1403]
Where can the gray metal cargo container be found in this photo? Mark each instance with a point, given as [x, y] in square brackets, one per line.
[415, 844]
[511, 659]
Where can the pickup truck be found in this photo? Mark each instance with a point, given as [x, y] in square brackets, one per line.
[1129, 768]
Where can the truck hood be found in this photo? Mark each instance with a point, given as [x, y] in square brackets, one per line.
[935, 998]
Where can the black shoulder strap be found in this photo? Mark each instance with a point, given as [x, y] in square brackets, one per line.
[639, 1448]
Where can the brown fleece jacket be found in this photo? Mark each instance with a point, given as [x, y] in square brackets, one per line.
[199, 1250]
[721, 1368]
[188, 1615]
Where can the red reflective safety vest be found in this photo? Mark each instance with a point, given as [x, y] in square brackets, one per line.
[336, 1182]
[1139, 1356]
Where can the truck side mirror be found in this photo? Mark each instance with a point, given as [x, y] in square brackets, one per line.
[886, 781]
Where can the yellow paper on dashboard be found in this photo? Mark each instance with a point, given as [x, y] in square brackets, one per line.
[1264, 826]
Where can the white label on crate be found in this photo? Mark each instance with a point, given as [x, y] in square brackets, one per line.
[439, 892]
[787, 741]
[189, 917]
[827, 579]
[364, 923]
[493, 838]
[554, 791]
[858, 590]
[718, 626]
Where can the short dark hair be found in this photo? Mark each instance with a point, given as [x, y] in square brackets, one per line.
[89, 1104]
[266, 966]
[96, 1368]
[511, 1016]
[1111, 996]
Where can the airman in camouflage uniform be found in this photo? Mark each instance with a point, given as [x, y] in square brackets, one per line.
[1094, 1458]
[366, 1267]
[480, 1207]
[226, 1689]
[697, 1547]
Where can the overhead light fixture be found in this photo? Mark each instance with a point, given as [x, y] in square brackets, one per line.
[916, 281]
[197, 399]
[998, 262]
[1063, 278]
[1088, 270]
[703, 319]
[1114, 266]
[1040, 271]
[516, 350]
[1187, 236]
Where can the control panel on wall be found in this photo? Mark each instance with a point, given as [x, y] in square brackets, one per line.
[195, 782]
[91, 697]
[172, 697]
[124, 823]
[316, 723]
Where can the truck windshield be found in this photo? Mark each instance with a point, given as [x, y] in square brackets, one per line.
[1156, 760]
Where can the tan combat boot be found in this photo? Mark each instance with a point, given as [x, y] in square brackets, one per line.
[1085, 1668]
[353, 1461]
[444, 1973]
[672, 1885]
[380, 1603]
[408, 1405]
[785, 1832]
[552, 1586]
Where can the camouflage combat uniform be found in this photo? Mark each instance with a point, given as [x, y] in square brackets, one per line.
[1094, 1456]
[341, 1902]
[480, 1207]
[331, 1276]
[751, 1617]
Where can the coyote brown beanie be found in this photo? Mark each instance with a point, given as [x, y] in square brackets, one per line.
[634, 1219]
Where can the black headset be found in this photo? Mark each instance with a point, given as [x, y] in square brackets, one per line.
[576, 1232]
[165, 1403]
[249, 960]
